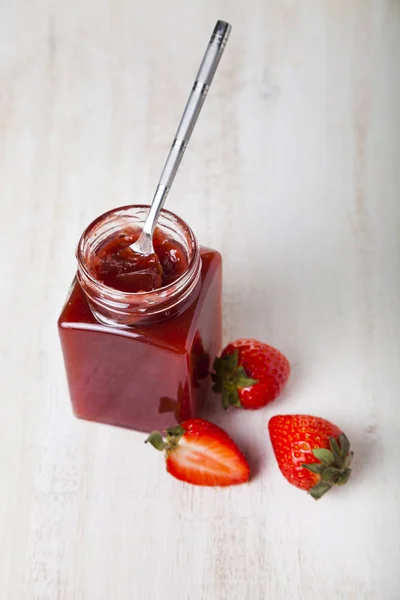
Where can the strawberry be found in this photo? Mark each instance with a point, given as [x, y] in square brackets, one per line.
[201, 453]
[312, 453]
[249, 374]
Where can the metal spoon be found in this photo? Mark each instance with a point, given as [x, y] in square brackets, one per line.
[209, 64]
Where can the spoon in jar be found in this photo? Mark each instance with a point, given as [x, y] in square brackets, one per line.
[208, 66]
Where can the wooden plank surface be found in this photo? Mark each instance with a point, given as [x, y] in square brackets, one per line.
[293, 174]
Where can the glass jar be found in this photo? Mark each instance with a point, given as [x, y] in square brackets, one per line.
[141, 360]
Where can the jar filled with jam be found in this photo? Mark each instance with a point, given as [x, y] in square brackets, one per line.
[139, 333]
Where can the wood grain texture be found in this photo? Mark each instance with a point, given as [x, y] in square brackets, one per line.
[293, 174]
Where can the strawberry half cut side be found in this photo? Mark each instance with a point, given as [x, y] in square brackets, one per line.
[201, 453]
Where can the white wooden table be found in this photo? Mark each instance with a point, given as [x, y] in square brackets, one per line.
[293, 174]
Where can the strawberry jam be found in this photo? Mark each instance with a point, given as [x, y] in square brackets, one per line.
[119, 267]
[137, 350]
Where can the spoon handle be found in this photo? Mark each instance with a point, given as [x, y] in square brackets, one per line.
[192, 110]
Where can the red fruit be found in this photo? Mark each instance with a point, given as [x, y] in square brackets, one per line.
[312, 453]
[249, 374]
[201, 453]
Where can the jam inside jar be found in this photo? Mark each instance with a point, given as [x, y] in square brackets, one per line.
[137, 340]
[116, 265]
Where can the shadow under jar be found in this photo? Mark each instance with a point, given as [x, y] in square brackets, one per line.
[141, 360]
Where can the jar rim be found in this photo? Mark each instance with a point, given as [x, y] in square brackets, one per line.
[142, 294]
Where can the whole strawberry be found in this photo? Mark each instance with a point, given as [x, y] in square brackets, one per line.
[312, 453]
[201, 453]
[249, 374]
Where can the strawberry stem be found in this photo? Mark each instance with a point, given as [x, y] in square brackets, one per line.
[174, 434]
[156, 440]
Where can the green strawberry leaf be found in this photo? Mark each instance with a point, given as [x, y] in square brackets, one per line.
[336, 451]
[344, 444]
[176, 431]
[331, 475]
[325, 456]
[241, 379]
[229, 377]
[234, 399]
[347, 460]
[344, 477]
[316, 468]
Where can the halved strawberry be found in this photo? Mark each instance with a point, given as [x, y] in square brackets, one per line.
[201, 453]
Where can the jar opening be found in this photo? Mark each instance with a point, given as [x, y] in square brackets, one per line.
[113, 306]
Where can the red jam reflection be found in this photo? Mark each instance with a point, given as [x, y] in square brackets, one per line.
[119, 267]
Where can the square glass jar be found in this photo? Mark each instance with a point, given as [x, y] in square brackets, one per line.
[141, 360]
